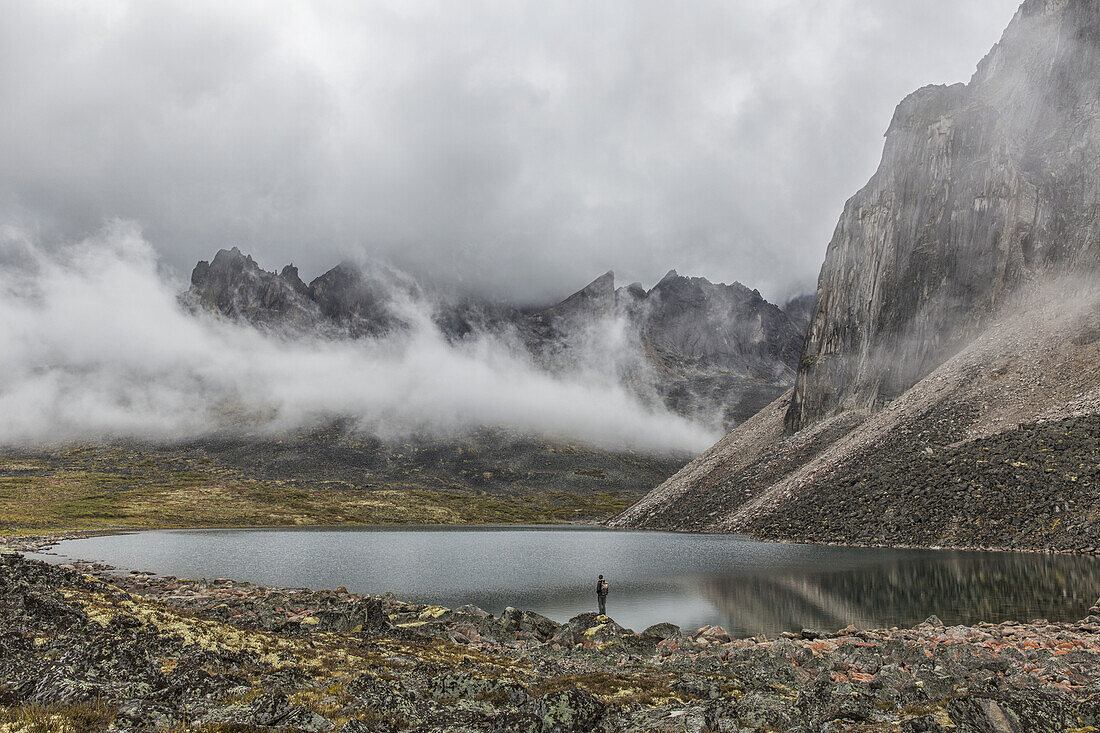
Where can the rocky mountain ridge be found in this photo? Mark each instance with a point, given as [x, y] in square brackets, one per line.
[709, 351]
[959, 298]
[983, 188]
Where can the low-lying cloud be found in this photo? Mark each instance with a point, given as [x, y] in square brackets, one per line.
[97, 346]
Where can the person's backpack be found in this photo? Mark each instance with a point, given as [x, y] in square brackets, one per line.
[604, 587]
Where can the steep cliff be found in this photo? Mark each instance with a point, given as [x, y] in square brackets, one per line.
[982, 187]
[896, 476]
[959, 298]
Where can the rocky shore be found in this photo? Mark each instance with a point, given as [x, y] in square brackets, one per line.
[85, 649]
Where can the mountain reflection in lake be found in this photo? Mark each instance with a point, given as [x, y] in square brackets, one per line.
[959, 587]
[747, 587]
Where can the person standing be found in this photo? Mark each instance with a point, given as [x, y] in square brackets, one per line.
[602, 587]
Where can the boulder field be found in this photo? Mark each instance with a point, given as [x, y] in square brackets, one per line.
[83, 648]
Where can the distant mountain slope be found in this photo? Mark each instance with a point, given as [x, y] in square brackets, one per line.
[890, 476]
[960, 296]
[711, 352]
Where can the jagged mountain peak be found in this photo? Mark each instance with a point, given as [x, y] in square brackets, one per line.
[289, 273]
[596, 299]
[602, 287]
[233, 254]
[720, 349]
[605, 280]
[674, 281]
[233, 285]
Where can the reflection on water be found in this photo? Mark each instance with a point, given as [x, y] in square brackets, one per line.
[691, 580]
[960, 588]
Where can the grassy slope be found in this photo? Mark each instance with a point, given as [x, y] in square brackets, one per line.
[324, 477]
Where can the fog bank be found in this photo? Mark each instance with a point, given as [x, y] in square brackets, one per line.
[97, 346]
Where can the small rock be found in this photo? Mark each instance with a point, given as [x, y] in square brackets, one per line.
[660, 631]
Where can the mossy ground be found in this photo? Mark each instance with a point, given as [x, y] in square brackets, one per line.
[117, 637]
[316, 480]
[67, 499]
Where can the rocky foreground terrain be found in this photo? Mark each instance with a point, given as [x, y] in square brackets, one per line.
[82, 649]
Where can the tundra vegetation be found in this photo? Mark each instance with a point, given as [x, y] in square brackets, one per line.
[317, 479]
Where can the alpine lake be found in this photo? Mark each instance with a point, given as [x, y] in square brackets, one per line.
[690, 580]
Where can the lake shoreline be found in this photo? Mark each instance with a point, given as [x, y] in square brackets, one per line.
[331, 660]
[692, 580]
[38, 542]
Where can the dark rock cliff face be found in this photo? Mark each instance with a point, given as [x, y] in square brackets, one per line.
[709, 351]
[982, 188]
[716, 346]
[234, 285]
[959, 299]
[727, 325]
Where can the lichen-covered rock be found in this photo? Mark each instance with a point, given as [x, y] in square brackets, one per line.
[463, 686]
[596, 631]
[139, 663]
[274, 710]
[529, 623]
[570, 710]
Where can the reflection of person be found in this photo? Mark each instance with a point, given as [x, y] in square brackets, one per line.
[601, 594]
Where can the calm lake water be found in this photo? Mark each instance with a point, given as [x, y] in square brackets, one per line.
[691, 580]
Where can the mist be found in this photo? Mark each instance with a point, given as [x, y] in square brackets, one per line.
[513, 149]
[97, 346]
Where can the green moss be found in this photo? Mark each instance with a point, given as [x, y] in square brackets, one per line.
[325, 478]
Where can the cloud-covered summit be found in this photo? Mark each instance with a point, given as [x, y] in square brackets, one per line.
[97, 347]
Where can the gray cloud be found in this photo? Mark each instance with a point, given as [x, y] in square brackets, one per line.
[515, 148]
[97, 346]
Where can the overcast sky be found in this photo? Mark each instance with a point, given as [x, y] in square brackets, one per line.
[517, 148]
